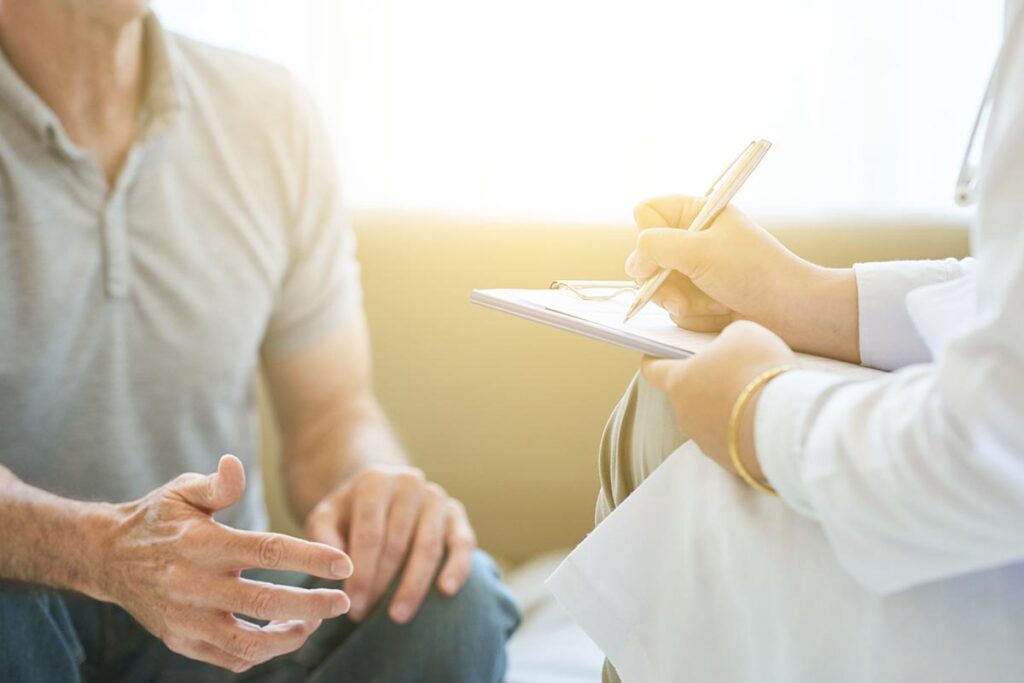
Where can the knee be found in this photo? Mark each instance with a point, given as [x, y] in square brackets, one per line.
[641, 432]
[483, 605]
[471, 628]
[615, 466]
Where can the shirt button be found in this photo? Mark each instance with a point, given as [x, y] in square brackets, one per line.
[51, 138]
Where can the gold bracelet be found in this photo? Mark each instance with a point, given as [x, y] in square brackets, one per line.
[734, 427]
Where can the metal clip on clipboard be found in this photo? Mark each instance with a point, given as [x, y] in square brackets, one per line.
[596, 290]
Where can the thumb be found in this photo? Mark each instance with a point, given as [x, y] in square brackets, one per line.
[660, 372]
[325, 529]
[214, 492]
[679, 250]
[324, 523]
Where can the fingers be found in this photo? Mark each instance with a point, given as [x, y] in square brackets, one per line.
[270, 602]
[679, 250]
[324, 523]
[660, 372]
[460, 542]
[681, 298]
[251, 643]
[216, 491]
[405, 509]
[703, 323]
[676, 211]
[211, 654]
[661, 212]
[424, 558]
[640, 268]
[252, 549]
[689, 307]
[366, 536]
[390, 516]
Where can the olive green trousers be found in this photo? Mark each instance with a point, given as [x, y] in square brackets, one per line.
[640, 434]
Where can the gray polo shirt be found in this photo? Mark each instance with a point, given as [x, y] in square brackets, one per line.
[133, 317]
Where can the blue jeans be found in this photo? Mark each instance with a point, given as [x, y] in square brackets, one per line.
[49, 636]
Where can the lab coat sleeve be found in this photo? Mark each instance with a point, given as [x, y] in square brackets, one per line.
[888, 338]
[918, 475]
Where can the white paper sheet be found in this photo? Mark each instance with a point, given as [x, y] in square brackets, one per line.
[651, 331]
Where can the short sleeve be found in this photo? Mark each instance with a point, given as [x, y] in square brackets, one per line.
[320, 290]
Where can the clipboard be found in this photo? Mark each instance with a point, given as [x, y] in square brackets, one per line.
[595, 309]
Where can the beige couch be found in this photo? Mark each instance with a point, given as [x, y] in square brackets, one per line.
[507, 414]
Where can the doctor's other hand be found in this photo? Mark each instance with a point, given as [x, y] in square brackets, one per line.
[736, 270]
[391, 518]
[703, 389]
[169, 564]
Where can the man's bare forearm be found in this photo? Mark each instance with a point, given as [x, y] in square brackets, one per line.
[46, 539]
[333, 448]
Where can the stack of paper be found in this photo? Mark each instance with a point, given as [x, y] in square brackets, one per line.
[651, 331]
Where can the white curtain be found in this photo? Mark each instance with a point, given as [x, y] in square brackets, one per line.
[576, 109]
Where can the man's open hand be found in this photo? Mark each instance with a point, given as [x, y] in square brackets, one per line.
[177, 571]
[384, 515]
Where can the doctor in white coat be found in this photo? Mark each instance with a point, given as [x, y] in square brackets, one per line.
[877, 532]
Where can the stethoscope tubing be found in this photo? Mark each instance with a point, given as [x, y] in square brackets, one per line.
[967, 180]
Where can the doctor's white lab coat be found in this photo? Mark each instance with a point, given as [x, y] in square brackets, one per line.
[907, 561]
[919, 476]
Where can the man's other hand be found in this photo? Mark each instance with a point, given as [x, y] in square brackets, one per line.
[384, 516]
[177, 571]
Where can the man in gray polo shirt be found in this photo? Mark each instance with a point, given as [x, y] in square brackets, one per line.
[169, 220]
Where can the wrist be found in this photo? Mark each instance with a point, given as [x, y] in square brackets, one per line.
[741, 441]
[309, 483]
[822, 317]
[95, 527]
[746, 445]
[51, 541]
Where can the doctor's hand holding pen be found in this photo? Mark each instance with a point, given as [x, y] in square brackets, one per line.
[736, 270]
[736, 277]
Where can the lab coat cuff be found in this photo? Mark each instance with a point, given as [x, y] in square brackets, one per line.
[888, 337]
[781, 425]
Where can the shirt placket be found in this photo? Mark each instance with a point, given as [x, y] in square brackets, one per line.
[114, 229]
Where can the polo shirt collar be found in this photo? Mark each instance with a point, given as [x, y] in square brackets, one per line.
[165, 95]
[20, 98]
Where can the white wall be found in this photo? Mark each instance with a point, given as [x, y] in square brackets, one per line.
[579, 108]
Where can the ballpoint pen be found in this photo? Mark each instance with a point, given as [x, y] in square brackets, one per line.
[716, 199]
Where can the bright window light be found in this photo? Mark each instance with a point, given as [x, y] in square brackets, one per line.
[577, 109]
